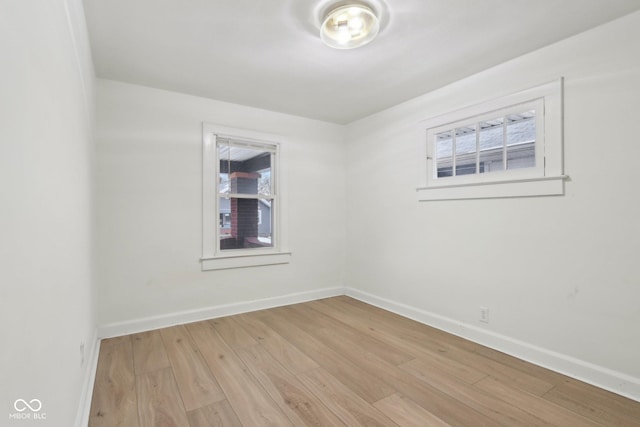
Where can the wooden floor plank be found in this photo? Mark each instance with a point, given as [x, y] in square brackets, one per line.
[393, 318]
[281, 349]
[448, 346]
[249, 400]
[595, 403]
[455, 369]
[407, 413]
[198, 387]
[232, 333]
[486, 404]
[535, 405]
[430, 398]
[114, 400]
[149, 353]
[504, 359]
[386, 351]
[330, 362]
[301, 406]
[159, 401]
[348, 406]
[219, 414]
[372, 327]
[366, 384]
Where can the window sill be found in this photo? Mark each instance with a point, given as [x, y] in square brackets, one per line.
[542, 186]
[245, 260]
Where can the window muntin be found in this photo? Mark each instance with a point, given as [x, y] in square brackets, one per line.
[492, 146]
[246, 194]
[501, 143]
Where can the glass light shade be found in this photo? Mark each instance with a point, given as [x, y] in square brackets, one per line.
[349, 26]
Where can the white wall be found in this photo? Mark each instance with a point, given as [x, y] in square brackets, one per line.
[149, 211]
[559, 274]
[46, 245]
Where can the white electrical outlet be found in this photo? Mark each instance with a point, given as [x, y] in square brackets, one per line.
[81, 353]
[484, 314]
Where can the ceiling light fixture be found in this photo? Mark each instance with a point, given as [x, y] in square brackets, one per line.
[349, 26]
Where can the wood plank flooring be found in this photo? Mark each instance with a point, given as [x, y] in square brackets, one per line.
[333, 362]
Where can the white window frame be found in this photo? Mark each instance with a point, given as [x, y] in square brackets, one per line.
[545, 179]
[213, 258]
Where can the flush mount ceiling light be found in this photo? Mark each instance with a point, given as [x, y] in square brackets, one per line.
[349, 26]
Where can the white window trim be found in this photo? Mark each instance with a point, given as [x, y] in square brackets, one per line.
[546, 179]
[212, 257]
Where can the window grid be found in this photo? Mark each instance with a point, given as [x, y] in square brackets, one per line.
[459, 130]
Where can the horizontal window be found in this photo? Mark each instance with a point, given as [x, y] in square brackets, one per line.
[502, 143]
[513, 139]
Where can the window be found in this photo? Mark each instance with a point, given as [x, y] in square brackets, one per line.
[508, 147]
[241, 200]
[504, 142]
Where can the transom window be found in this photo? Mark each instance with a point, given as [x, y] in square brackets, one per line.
[506, 147]
[501, 143]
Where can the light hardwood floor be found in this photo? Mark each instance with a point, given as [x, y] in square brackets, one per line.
[333, 362]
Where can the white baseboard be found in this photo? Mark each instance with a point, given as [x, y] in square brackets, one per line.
[616, 382]
[84, 408]
[188, 316]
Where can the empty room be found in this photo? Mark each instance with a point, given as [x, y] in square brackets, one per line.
[319, 213]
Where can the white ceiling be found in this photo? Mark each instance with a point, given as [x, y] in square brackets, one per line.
[268, 54]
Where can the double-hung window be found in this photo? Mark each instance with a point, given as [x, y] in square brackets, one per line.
[241, 200]
[507, 147]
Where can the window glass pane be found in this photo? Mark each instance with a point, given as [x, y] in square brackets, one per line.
[244, 170]
[245, 223]
[264, 182]
[223, 179]
[491, 144]
[224, 220]
[521, 139]
[444, 154]
[466, 150]
[521, 156]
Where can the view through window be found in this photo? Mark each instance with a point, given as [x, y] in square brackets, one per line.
[501, 143]
[246, 196]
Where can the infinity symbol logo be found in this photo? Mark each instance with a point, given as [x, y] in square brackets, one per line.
[21, 405]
